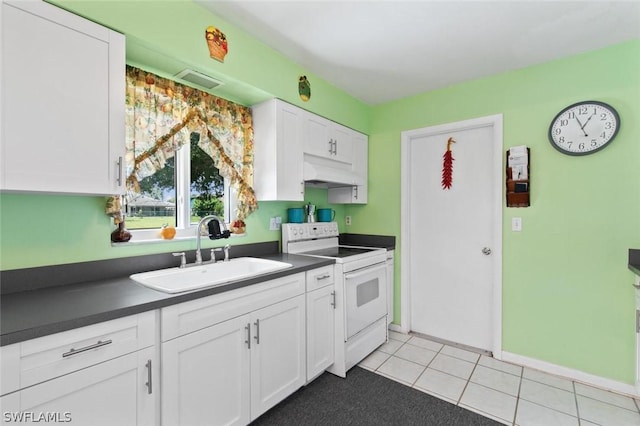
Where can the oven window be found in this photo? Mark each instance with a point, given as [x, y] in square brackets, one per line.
[366, 292]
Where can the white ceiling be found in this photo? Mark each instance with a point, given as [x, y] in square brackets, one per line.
[379, 51]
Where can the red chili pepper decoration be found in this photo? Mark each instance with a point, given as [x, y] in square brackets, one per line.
[447, 166]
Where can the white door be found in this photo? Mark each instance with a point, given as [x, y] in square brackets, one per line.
[321, 311]
[114, 392]
[451, 252]
[277, 353]
[206, 376]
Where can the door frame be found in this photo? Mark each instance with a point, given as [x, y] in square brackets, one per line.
[494, 121]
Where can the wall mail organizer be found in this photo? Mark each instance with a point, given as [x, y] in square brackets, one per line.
[518, 178]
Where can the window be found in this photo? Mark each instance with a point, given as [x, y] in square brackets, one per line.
[186, 189]
[188, 154]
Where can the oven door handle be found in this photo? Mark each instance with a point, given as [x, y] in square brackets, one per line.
[365, 271]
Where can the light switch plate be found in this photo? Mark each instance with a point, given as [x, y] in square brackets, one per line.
[516, 224]
[347, 220]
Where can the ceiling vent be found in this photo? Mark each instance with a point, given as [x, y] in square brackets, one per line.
[199, 79]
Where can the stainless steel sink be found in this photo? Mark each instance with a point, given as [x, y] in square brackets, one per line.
[176, 280]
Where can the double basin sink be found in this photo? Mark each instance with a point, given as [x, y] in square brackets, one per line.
[176, 280]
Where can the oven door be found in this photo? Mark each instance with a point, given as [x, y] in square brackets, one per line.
[365, 297]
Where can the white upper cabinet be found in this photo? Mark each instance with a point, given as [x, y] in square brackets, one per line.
[288, 138]
[354, 194]
[327, 139]
[277, 157]
[62, 91]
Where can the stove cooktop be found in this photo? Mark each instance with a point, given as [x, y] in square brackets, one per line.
[340, 251]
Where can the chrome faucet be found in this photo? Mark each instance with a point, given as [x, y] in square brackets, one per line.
[198, 236]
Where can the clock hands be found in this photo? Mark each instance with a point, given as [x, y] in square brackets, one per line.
[582, 125]
[585, 123]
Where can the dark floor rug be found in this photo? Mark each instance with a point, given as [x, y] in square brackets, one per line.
[366, 398]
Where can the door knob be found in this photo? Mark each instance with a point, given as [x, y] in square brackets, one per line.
[486, 251]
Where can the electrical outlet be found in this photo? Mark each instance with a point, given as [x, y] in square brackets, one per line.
[274, 223]
[347, 220]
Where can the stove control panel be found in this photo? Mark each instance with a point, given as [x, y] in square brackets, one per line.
[308, 231]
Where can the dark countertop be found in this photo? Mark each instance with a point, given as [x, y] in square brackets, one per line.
[383, 241]
[634, 261]
[45, 310]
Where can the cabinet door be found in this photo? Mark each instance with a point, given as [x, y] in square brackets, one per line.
[318, 139]
[320, 333]
[277, 157]
[116, 392]
[289, 181]
[62, 102]
[277, 353]
[342, 143]
[205, 376]
[354, 194]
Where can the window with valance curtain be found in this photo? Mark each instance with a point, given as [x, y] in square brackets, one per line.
[161, 116]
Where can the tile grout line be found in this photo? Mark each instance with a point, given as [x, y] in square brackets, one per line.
[515, 412]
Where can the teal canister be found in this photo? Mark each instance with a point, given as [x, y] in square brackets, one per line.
[295, 215]
[326, 215]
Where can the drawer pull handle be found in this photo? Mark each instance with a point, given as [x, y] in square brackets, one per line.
[149, 378]
[333, 302]
[324, 277]
[73, 351]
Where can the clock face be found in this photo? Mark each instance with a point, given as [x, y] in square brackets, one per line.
[584, 128]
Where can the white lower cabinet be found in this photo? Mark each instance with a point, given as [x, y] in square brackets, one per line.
[206, 376]
[116, 392]
[231, 372]
[320, 335]
[102, 374]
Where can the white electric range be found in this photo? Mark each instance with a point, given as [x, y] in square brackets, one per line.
[360, 287]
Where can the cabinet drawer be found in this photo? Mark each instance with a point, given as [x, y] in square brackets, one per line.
[178, 320]
[44, 358]
[321, 277]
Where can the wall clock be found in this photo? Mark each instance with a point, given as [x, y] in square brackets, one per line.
[584, 128]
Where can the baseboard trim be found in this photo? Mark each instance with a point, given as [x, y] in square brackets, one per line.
[569, 373]
[396, 328]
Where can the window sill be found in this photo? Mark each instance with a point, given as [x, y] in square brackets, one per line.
[135, 242]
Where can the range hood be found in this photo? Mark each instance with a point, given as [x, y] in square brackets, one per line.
[329, 173]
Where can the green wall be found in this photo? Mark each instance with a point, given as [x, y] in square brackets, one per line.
[166, 37]
[567, 297]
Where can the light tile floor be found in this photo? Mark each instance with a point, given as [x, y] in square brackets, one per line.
[507, 393]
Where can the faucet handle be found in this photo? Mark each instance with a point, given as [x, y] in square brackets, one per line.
[213, 254]
[183, 258]
[226, 252]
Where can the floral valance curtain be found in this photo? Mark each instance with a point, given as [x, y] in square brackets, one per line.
[160, 116]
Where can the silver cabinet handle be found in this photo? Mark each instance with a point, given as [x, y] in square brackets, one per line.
[486, 251]
[149, 383]
[330, 146]
[324, 277]
[248, 341]
[335, 147]
[355, 192]
[119, 171]
[73, 351]
[333, 302]
[257, 336]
